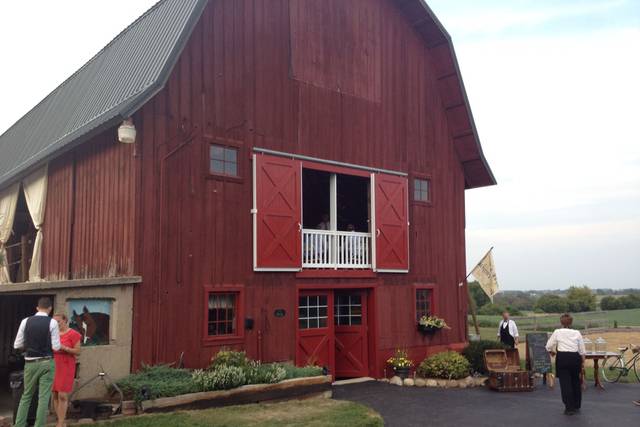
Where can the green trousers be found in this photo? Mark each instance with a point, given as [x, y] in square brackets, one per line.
[38, 378]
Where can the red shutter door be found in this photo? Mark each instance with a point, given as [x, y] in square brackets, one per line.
[392, 223]
[278, 216]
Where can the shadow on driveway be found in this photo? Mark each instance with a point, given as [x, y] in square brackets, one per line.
[477, 407]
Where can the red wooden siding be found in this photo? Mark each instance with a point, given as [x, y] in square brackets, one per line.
[90, 212]
[234, 82]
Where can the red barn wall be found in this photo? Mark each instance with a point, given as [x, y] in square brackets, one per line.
[90, 211]
[268, 74]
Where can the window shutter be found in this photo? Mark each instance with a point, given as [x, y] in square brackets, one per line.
[392, 223]
[277, 213]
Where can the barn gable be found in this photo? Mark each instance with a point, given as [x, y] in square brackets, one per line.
[137, 63]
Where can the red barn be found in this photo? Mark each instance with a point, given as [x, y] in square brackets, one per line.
[295, 188]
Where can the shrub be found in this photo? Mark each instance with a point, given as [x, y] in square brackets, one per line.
[219, 378]
[448, 365]
[152, 382]
[297, 372]
[257, 373]
[238, 359]
[474, 353]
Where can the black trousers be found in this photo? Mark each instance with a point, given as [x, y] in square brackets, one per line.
[568, 367]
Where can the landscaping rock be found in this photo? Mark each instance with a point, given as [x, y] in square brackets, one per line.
[469, 381]
[396, 380]
[452, 383]
[384, 380]
[409, 382]
[420, 382]
[432, 383]
[462, 383]
[480, 381]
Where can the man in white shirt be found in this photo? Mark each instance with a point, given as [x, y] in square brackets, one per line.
[568, 346]
[38, 336]
[508, 331]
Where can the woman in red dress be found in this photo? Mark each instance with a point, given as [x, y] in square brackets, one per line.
[65, 373]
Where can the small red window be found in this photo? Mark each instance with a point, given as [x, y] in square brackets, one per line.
[422, 190]
[223, 160]
[222, 318]
[424, 304]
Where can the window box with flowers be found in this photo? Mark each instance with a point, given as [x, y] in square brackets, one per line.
[400, 363]
[431, 324]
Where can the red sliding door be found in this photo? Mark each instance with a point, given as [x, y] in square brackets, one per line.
[391, 223]
[277, 213]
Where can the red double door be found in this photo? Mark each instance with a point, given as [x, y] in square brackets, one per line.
[332, 331]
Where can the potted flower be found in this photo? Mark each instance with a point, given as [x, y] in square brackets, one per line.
[431, 324]
[400, 363]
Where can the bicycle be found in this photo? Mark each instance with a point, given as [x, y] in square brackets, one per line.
[614, 367]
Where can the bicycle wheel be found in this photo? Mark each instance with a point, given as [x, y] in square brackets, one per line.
[612, 369]
[636, 368]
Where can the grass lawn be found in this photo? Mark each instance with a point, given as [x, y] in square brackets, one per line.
[310, 412]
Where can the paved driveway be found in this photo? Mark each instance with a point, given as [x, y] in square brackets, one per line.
[478, 407]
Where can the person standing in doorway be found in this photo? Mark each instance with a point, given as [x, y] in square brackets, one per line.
[39, 336]
[65, 361]
[568, 346]
[508, 331]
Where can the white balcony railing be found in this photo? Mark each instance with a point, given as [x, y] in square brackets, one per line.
[335, 249]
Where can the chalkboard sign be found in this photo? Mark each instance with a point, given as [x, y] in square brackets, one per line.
[538, 359]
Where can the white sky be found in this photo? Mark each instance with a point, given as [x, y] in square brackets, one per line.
[554, 88]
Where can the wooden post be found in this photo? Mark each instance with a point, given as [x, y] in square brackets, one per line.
[24, 240]
[472, 306]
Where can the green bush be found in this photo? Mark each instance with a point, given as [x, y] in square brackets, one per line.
[474, 353]
[157, 381]
[238, 359]
[447, 365]
[297, 372]
[219, 378]
[271, 373]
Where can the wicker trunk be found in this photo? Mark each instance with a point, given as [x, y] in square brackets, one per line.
[505, 373]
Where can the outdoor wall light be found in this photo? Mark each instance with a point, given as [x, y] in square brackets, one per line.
[127, 132]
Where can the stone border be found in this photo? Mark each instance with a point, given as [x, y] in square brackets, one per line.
[252, 393]
[435, 382]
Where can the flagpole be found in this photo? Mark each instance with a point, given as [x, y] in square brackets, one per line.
[474, 267]
[472, 302]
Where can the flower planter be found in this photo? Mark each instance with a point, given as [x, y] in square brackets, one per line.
[428, 330]
[402, 372]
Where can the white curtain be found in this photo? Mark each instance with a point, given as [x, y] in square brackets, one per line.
[8, 202]
[35, 193]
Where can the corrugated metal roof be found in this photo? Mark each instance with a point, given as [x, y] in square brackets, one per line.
[110, 87]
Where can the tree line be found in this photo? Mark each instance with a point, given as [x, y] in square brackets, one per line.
[576, 299]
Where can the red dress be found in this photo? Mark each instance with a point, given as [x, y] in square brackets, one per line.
[65, 363]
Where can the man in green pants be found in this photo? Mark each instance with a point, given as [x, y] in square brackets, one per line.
[39, 336]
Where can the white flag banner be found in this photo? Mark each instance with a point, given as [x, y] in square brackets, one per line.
[485, 274]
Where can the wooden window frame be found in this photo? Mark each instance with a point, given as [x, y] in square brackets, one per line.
[423, 177]
[428, 286]
[230, 144]
[239, 330]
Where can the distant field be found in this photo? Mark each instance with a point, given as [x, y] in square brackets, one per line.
[592, 319]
